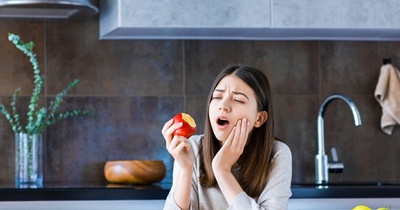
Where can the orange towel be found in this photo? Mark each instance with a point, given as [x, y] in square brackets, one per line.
[387, 93]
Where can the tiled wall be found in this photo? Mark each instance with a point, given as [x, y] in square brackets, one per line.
[134, 86]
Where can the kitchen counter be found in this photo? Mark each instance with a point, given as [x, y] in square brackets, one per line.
[346, 190]
[344, 196]
[87, 191]
[101, 191]
[103, 196]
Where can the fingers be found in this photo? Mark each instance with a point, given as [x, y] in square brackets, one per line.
[240, 135]
[173, 144]
[177, 145]
[244, 134]
[236, 138]
[168, 129]
[181, 151]
[228, 141]
[166, 126]
[233, 147]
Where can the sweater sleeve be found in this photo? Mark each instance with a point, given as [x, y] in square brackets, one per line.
[277, 192]
[170, 203]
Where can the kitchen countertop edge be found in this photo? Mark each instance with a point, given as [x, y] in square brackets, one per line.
[160, 193]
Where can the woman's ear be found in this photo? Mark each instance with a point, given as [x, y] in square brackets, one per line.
[261, 118]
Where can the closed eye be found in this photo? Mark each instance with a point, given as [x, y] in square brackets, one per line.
[239, 101]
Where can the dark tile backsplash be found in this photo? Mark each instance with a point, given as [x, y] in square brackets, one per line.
[134, 86]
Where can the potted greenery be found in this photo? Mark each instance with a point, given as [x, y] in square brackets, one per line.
[29, 137]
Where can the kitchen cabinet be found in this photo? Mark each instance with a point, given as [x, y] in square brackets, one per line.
[250, 20]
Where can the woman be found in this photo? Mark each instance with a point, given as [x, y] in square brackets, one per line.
[236, 164]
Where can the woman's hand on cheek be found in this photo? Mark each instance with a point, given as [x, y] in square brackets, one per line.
[233, 147]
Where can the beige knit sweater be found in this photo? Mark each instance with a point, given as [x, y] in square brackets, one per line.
[274, 196]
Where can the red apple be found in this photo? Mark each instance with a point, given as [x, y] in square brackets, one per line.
[189, 125]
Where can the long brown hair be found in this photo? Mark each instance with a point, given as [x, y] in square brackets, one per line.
[256, 161]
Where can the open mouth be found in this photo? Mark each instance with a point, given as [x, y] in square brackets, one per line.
[222, 121]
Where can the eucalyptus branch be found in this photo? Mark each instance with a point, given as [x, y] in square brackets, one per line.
[38, 80]
[59, 98]
[40, 124]
[15, 111]
[67, 114]
[8, 117]
[34, 102]
[37, 120]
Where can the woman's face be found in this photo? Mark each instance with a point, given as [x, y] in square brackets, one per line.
[232, 100]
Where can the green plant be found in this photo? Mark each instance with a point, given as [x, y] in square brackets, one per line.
[38, 119]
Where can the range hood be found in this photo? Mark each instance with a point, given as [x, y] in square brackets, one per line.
[47, 9]
[367, 20]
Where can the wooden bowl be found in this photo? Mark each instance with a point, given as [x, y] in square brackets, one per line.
[134, 171]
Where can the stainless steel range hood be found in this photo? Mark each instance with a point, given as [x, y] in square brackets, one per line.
[47, 9]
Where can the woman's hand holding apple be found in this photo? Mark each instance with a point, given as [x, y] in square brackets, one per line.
[176, 133]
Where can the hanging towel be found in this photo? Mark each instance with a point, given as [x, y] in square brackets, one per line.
[387, 93]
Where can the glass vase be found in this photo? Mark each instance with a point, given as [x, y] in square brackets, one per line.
[28, 159]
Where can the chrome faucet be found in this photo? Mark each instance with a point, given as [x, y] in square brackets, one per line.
[322, 165]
